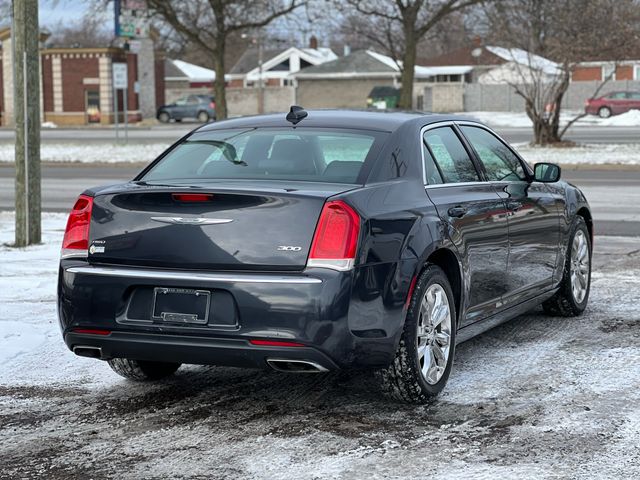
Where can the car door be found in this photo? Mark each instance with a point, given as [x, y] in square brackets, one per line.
[474, 216]
[533, 215]
[618, 102]
[192, 106]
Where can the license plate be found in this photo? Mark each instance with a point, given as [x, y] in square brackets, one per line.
[181, 305]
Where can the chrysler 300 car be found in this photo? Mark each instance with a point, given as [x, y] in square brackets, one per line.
[321, 240]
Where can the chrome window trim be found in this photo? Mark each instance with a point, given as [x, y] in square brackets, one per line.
[192, 276]
[470, 123]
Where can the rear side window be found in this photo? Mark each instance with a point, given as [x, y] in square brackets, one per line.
[307, 154]
[455, 165]
[499, 161]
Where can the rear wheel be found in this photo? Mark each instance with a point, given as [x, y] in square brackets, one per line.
[140, 370]
[423, 361]
[571, 298]
[164, 117]
[604, 112]
[203, 117]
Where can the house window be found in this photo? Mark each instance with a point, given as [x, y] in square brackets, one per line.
[608, 72]
[636, 74]
[287, 82]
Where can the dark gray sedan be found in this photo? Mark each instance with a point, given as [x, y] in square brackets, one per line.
[199, 107]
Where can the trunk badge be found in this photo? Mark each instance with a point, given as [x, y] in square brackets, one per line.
[192, 220]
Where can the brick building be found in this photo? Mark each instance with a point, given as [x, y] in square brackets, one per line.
[601, 70]
[76, 84]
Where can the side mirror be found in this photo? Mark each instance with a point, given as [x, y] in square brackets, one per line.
[546, 172]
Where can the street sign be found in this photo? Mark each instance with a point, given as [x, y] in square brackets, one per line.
[120, 76]
[132, 19]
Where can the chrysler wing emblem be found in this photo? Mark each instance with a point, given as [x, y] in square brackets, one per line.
[192, 220]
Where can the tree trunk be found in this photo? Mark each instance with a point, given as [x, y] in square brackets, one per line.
[408, 73]
[26, 61]
[219, 83]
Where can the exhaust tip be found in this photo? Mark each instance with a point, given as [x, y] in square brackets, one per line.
[86, 351]
[295, 366]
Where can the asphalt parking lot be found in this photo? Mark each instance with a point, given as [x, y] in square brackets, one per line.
[537, 397]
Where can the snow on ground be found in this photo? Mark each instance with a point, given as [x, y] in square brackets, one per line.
[589, 154]
[88, 153]
[538, 397]
[520, 119]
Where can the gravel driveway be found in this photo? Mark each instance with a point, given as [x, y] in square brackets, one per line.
[538, 397]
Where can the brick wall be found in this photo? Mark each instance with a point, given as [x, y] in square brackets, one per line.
[244, 101]
[338, 93]
[47, 84]
[586, 74]
[74, 71]
[502, 98]
[624, 72]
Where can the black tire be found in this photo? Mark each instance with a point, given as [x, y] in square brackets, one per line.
[141, 371]
[403, 380]
[203, 117]
[164, 117]
[564, 303]
[604, 112]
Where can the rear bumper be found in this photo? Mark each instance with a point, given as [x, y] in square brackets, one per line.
[192, 349]
[319, 308]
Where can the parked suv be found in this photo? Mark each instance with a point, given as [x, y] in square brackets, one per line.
[200, 107]
[613, 103]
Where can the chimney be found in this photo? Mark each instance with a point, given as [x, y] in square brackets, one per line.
[477, 41]
[313, 42]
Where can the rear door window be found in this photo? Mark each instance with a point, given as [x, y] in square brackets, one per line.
[308, 154]
[453, 161]
[499, 162]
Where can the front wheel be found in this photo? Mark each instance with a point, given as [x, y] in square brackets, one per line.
[604, 112]
[571, 298]
[164, 117]
[203, 117]
[142, 371]
[424, 357]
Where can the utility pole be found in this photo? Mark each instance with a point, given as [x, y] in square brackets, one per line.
[26, 110]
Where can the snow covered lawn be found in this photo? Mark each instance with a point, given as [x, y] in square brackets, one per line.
[591, 154]
[520, 119]
[537, 397]
[89, 153]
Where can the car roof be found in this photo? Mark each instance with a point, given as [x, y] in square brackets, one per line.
[349, 119]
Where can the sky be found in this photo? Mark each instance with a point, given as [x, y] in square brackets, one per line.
[53, 12]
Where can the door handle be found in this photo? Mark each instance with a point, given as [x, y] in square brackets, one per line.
[457, 211]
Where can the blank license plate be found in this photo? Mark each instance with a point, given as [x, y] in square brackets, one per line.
[181, 305]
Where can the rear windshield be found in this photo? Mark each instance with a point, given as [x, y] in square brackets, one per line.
[307, 154]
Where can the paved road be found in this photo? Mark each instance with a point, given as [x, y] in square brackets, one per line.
[614, 194]
[169, 133]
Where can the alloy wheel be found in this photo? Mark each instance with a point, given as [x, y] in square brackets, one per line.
[434, 333]
[580, 265]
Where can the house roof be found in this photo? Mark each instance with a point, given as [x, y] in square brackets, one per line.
[471, 55]
[369, 63]
[491, 56]
[180, 70]
[528, 59]
[248, 62]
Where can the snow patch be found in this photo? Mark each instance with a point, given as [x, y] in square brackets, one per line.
[520, 119]
[88, 153]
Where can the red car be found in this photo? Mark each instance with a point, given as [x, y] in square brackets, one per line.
[613, 103]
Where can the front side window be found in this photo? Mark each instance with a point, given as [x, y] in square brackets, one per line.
[307, 154]
[499, 161]
[453, 161]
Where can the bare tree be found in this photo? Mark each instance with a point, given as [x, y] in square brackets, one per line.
[397, 26]
[90, 31]
[210, 23]
[566, 32]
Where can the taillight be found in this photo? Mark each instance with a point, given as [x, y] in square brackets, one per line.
[336, 239]
[192, 197]
[212, 105]
[76, 235]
